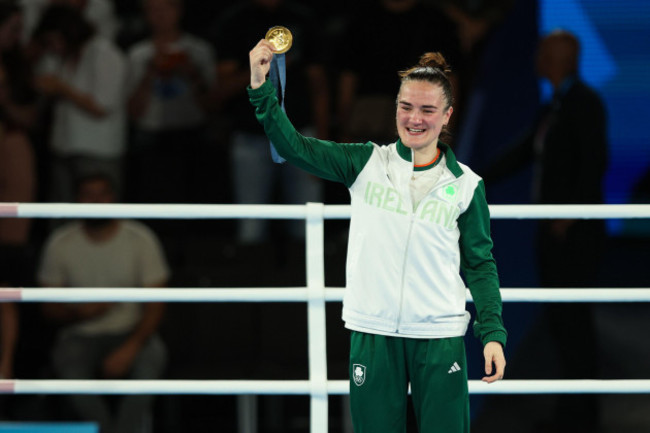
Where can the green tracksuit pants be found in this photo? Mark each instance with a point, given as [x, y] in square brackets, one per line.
[381, 369]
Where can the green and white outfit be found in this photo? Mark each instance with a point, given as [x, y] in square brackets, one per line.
[404, 297]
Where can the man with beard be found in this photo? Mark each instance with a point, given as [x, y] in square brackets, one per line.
[105, 340]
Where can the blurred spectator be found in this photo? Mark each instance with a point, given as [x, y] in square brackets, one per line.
[106, 340]
[8, 335]
[86, 80]
[475, 19]
[170, 86]
[17, 97]
[390, 35]
[640, 195]
[99, 13]
[17, 184]
[475, 22]
[568, 147]
[255, 177]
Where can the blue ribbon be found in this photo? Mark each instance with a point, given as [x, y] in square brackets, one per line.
[278, 76]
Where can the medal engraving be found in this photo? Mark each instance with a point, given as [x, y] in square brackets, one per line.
[280, 37]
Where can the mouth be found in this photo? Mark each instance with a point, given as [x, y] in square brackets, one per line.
[414, 131]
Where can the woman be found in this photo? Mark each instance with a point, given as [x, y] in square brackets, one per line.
[418, 218]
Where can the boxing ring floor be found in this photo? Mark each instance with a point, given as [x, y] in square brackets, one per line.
[318, 387]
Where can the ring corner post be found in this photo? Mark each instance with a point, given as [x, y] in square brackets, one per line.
[315, 228]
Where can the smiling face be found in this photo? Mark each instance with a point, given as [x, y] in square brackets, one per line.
[422, 111]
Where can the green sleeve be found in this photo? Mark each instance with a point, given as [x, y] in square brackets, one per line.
[479, 269]
[326, 159]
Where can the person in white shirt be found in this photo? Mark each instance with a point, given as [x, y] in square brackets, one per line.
[106, 340]
[85, 77]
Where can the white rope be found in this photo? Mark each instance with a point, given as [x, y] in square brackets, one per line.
[154, 211]
[226, 211]
[576, 295]
[129, 294]
[185, 211]
[303, 387]
[292, 294]
[595, 211]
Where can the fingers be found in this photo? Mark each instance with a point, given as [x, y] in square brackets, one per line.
[498, 374]
[488, 365]
[494, 360]
[260, 62]
[262, 53]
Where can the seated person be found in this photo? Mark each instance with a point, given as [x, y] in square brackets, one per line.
[106, 340]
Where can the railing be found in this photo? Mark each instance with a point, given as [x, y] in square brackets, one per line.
[315, 294]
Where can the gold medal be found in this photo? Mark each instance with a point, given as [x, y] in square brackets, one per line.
[280, 37]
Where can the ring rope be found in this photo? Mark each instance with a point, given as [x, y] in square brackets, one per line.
[318, 387]
[303, 387]
[293, 294]
[226, 211]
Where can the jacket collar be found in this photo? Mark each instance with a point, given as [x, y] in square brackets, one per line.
[452, 164]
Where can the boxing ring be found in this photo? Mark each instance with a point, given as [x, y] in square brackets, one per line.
[314, 295]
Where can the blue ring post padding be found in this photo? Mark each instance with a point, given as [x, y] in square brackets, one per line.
[278, 76]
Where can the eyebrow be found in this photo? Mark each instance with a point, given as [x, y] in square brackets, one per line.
[411, 105]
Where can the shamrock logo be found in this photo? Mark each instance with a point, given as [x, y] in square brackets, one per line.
[451, 190]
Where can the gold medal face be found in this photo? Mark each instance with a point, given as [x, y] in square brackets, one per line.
[280, 37]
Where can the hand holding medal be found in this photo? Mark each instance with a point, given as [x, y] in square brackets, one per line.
[280, 38]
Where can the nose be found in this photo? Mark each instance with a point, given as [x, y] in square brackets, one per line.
[415, 117]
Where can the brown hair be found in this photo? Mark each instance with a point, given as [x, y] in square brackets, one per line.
[433, 68]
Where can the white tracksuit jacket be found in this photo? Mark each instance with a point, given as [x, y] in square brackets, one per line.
[403, 265]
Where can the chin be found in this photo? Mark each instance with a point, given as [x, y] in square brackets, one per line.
[413, 144]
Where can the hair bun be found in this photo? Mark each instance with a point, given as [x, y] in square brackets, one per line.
[435, 60]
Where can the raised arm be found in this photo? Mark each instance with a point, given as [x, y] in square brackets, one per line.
[260, 62]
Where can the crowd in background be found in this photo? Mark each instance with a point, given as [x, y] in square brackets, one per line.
[144, 102]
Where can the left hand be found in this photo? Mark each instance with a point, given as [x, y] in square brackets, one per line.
[494, 357]
[119, 362]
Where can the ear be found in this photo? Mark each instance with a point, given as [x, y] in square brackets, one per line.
[447, 115]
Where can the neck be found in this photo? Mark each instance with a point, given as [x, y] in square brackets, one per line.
[102, 232]
[425, 155]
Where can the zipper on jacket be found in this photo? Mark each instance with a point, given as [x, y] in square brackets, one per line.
[414, 214]
[403, 284]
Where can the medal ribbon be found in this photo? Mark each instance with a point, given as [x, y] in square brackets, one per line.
[278, 76]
